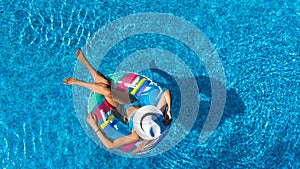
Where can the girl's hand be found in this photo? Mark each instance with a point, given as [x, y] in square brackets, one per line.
[169, 113]
[92, 120]
[168, 118]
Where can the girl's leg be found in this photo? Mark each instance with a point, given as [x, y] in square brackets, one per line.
[97, 76]
[97, 88]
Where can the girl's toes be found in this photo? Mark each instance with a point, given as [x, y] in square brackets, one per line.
[65, 81]
[68, 81]
[77, 52]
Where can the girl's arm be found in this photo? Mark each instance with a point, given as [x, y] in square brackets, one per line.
[168, 98]
[109, 144]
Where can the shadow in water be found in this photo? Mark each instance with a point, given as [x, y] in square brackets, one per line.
[233, 105]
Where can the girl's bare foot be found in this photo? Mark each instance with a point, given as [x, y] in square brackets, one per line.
[70, 81]
[80, 56]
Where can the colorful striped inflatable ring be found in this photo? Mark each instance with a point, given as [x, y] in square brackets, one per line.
[144, 90]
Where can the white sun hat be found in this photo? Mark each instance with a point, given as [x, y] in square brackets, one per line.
[148, 122]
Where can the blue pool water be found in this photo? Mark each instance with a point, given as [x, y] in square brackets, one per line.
[257, 41]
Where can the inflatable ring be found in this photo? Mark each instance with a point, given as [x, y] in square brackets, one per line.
[147, 93]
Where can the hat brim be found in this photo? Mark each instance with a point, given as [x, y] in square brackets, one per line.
[143, 121]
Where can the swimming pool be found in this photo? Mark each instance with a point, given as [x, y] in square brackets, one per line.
[258, 43]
